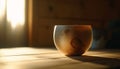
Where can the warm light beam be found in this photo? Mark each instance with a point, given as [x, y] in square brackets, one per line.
[2, 8]
[16, 12]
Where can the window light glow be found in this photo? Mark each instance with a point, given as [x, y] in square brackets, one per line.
[2, 8]
[16, 12]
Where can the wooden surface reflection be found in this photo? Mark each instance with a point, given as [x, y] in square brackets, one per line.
[34, 58]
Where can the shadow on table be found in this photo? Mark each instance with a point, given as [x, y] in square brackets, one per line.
[112, 63]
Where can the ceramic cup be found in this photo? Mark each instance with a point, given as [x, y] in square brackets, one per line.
[72, 39]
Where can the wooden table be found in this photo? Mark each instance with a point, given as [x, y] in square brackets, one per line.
[43, 58]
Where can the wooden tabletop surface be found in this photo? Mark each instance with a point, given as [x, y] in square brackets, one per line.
[44, 58]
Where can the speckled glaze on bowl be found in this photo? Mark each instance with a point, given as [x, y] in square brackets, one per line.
[72, 39]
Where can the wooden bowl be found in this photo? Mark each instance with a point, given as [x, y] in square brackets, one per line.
[72, 39]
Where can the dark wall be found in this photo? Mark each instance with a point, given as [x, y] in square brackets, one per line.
[47, 13]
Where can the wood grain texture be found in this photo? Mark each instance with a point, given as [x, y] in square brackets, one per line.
[36, 58]
[47, 13]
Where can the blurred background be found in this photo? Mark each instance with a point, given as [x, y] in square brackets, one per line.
[34, 27]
